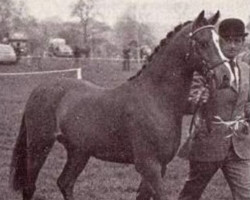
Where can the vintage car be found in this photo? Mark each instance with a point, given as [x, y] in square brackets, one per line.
[63, 51]
[59, 48]
[7, 54]
[19, 41]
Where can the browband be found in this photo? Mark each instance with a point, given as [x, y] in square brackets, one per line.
[201, 28]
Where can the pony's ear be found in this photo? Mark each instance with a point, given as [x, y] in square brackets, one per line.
[199, 20]
[213, 20]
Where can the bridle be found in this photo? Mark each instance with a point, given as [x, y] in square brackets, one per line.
[191, 35]
[206, 71]
[192, 51]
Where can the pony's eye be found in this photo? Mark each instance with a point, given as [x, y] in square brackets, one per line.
[204, 45]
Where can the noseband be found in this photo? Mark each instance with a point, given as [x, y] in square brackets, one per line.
[192, 50]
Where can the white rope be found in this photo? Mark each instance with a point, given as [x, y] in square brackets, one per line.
[233, 124]
[78, 71]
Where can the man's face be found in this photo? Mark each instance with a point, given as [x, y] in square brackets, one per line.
[231, 46]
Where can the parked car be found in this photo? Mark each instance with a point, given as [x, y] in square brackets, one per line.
[63, 51]
[59, 48]
[19, 41]
[7, 54]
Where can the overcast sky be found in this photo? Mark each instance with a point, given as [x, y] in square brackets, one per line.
[164, 14]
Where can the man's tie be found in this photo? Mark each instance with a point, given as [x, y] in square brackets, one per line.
[233, 65]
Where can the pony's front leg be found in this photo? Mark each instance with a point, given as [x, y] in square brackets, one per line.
[150, 170]
[145, 191]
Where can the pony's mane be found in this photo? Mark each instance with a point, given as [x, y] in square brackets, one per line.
[162, 44]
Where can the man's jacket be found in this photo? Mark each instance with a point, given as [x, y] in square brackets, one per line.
[211, 140]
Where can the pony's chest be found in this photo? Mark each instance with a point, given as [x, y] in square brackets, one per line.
[158, 118]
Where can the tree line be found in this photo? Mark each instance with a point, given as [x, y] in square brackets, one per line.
[103, 39]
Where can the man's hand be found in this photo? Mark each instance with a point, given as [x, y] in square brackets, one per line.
[199, 95]
[199, 92]
[242, 129]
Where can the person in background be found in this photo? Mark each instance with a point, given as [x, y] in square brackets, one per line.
[222, 139]
[6, 38]
[86, 51]
[126, 59]
[77, 52]
[18, 51]
[77, 55]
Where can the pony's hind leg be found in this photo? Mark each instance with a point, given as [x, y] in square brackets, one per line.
[76, 161]
[36, 156]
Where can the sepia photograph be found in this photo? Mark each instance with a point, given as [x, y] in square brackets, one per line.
[124, 100]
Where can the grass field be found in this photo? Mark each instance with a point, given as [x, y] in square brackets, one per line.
[100, 180]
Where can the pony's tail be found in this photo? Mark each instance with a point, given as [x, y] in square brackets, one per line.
[18, 167]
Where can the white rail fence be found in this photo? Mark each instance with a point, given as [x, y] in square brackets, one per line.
[78, 72]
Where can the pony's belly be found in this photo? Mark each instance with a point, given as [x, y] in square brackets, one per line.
[114, 155]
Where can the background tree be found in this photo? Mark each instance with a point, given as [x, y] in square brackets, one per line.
[247, 43]
[7, 10]
[103, 39]
[20, 18]
[130, 32]
[84, 10]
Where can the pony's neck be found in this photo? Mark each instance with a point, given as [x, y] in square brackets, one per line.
[167, 70]
[166, 77]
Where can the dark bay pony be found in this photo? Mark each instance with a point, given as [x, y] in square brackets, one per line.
[138, 122]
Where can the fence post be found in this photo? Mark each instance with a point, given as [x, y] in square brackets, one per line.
[79, 73]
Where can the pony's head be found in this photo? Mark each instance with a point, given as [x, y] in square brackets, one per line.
[192, 46]
[204, 51]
